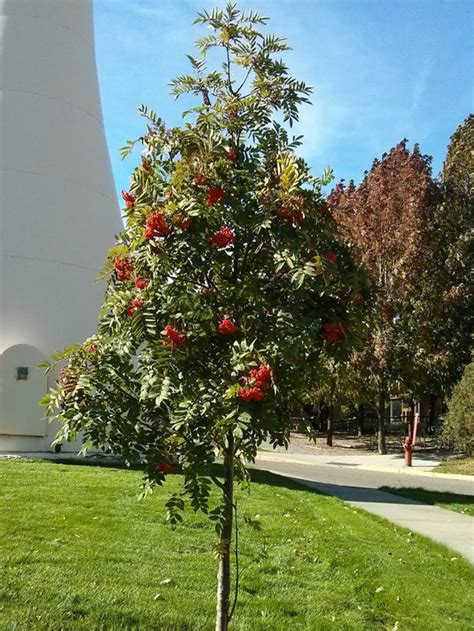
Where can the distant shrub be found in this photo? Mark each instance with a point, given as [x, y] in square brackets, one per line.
[458, 430]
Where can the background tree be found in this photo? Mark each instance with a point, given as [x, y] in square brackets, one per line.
[442, 318]
[458, 429]
[384, 219]
[326, 395]
[227, 290]
[344, 384]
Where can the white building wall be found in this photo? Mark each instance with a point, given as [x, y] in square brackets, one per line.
[58, 208]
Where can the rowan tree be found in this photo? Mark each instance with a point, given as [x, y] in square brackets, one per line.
[227, 289]
[384, 220]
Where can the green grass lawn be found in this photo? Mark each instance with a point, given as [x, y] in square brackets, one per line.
[452, 501]
[464, 466]
[78, 551]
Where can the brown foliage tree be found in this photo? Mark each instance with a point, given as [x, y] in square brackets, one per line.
[384, 220]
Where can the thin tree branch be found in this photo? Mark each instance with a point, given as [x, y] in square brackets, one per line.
[236, 593]
[244, 81]
[124, 389]
[229, 79]
[217, 482]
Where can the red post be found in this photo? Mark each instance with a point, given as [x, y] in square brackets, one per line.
[408, 448]
[409, 444]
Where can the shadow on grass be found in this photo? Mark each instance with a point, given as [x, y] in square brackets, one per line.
[256, 475]
[348, 493]
[344, 492]
[433, 498]
[92, 461]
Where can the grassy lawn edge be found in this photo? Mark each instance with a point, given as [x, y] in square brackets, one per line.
[77, 551]
[460, 466]
[451, 501]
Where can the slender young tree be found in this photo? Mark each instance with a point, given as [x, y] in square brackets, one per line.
[384, 219]
[227, 289]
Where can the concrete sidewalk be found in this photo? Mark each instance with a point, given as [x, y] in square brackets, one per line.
[360, 488]
[423, 464]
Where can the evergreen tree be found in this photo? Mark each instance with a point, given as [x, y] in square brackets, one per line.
[442, 320]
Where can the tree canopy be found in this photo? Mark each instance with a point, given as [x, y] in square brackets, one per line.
[384, 219]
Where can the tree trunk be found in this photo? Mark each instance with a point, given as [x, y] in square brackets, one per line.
[432, 413]
[330, 426]
[225, 540]
[381, 442]
[315, 418]
[360, 419]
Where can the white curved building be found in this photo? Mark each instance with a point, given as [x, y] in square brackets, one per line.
[58, 208]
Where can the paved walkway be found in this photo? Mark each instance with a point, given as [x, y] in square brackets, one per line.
[359, 486]
[423, 465]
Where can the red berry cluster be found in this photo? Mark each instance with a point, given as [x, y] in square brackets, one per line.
[251, 395]
[141, 283]
[227, 327]
[290, 215]
[358, 299]
[200, 180]
[124, 267]
[128, 198]
[259, 380]
[333, 332]
[135, 305]
[185, 224]
[175, 337]
[223, 238]
[165, 467]
[214, 196]
[156, 226]
[91, 348]
[330, 256]
[232, 154]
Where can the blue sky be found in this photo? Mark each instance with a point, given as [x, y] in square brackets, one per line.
[382, 70]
